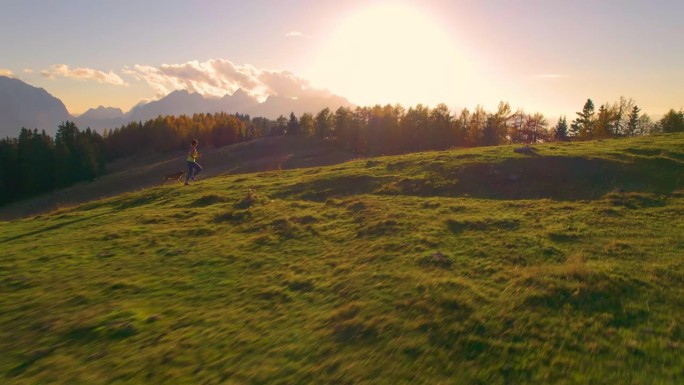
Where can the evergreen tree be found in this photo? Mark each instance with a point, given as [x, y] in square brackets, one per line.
[560, 132]
[293, 127]
[66, 158]
[633, 122]
[583, 126]
[35, 152]
[280, 126]
[9, 171]
[87, 159]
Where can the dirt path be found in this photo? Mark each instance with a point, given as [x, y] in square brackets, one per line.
[136, 173]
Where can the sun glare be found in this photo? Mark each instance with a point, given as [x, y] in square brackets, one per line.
[390, 54]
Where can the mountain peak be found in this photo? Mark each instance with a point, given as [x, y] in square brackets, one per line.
[102, 112]
[23, 105]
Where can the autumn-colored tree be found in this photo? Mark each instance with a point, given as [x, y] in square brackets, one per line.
[496, 128]
[672, 121]
[602, 127]
[440, 133]
[306, 124]
[324, 124]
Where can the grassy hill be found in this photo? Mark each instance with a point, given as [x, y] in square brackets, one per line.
[482, 266]
[138, 172]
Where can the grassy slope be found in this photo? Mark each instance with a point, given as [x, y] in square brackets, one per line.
[135, 173]
[467, 266]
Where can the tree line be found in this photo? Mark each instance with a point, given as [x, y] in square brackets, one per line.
[386, 130]
[621, 119]
[35, 163]
[170, 133]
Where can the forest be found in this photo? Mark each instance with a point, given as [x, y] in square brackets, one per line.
[35, 163]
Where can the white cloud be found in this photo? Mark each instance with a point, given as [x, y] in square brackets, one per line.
[6, 72]
[284, 83]
[27, 71]
[63, 70]
[297, 34]
[218, 77]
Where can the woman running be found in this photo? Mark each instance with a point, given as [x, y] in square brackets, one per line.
[193, 167]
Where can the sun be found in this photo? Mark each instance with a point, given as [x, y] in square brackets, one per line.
[390, 54]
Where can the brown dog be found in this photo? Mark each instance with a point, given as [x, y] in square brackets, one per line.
[176, 175]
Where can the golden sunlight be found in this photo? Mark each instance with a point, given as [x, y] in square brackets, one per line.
[391, 54]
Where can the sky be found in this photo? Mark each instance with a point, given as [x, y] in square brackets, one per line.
[545, 56]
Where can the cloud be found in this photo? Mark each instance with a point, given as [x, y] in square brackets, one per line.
[285, 83]
[218, 77]
[63, 70]
[6, 72]
[297, 34]
[27, 71]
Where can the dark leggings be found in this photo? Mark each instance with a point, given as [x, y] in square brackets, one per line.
[192, 166]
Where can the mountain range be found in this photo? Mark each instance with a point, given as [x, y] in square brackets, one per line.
[22, 105]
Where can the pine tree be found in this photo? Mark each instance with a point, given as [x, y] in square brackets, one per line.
[35, 160]
[560, 132]
[633, 122]
[67, 165]
[583, 126]
[9, 171]
[293, 127]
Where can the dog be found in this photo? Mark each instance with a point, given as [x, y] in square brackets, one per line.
[176, 175]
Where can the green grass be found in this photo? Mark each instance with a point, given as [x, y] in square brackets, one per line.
[477, 266]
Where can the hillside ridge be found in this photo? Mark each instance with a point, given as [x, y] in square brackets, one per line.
[437, 267]
[489, 172]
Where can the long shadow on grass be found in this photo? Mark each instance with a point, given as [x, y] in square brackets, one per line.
[559, 178]
[592, 294]
[50, 228]
[321, 189]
